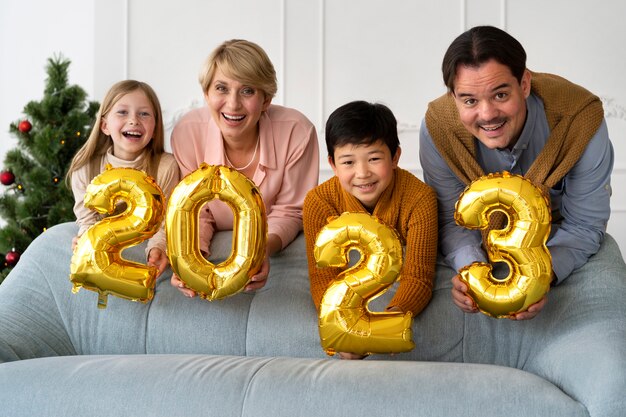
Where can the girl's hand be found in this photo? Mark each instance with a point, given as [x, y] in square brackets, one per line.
[74, 242]
[157, 258]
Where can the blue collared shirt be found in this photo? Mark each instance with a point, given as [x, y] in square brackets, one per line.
[582, 196]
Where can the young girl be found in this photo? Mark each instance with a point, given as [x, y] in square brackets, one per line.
[128, 133]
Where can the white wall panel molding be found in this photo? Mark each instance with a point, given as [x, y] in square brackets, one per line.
[283, 49]
[612, 109]
[126, 42]
[110, 46]
[483, 12]
[322, 67]
[404, 127]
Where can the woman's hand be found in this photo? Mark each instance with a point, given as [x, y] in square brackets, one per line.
[176, 282]
[258, 280]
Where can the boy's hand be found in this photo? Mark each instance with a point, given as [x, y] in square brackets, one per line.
[355, 356]
[350, 356]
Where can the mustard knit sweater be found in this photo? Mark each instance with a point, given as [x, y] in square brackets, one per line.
[409, 206]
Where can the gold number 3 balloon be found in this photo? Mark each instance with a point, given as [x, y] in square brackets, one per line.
[521, 244]
[249, 231]
[345, 322]
[97, 263]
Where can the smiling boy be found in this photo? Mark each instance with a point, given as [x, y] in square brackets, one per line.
[363, 151]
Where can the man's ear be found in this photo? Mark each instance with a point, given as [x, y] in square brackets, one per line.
[525, 83]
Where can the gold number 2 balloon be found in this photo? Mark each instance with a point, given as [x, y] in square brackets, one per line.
[97, 263]
[345, 322]
[521, 244]
[208, 182]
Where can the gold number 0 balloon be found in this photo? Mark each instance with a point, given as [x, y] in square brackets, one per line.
[345, 323]
[97, 263]
[521, 245]
[249, 231]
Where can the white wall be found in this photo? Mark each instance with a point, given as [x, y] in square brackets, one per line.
[326, 53]
[31, 31]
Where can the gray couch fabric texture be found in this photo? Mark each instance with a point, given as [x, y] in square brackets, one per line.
[258, 354]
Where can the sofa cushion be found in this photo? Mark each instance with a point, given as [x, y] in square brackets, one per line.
[229, 386]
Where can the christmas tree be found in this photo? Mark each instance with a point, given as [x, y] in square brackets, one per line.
[35, 196]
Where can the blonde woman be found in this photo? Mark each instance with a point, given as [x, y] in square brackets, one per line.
[274, 146]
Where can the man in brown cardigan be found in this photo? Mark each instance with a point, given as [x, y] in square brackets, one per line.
[499, 116]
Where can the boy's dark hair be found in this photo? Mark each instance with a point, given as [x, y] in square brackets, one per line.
[361, 123]
[479, 45]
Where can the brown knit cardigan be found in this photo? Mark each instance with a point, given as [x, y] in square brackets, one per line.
[409, 206]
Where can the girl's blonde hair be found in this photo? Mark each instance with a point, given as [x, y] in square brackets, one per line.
[244, 61]
[96, 145]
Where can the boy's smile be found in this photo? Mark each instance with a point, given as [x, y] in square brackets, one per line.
[364, 171]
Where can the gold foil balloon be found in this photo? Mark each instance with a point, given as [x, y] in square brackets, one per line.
[208, 182]
[521, 244]
[345, 322]
[97, 263]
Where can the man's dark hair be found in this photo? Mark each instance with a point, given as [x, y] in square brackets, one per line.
[479, 45]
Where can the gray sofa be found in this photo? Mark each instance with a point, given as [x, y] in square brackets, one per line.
[259, 354]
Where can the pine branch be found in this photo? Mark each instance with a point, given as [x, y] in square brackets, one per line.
[59, 125]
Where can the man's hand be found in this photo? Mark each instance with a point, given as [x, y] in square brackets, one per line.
[467, 305]
[532, 311]
[460, 297]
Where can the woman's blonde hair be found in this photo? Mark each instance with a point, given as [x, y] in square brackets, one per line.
[244, 61]
[97, 144]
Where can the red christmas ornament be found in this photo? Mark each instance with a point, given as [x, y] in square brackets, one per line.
[24, 126]
[12, 258]
[7, 177]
